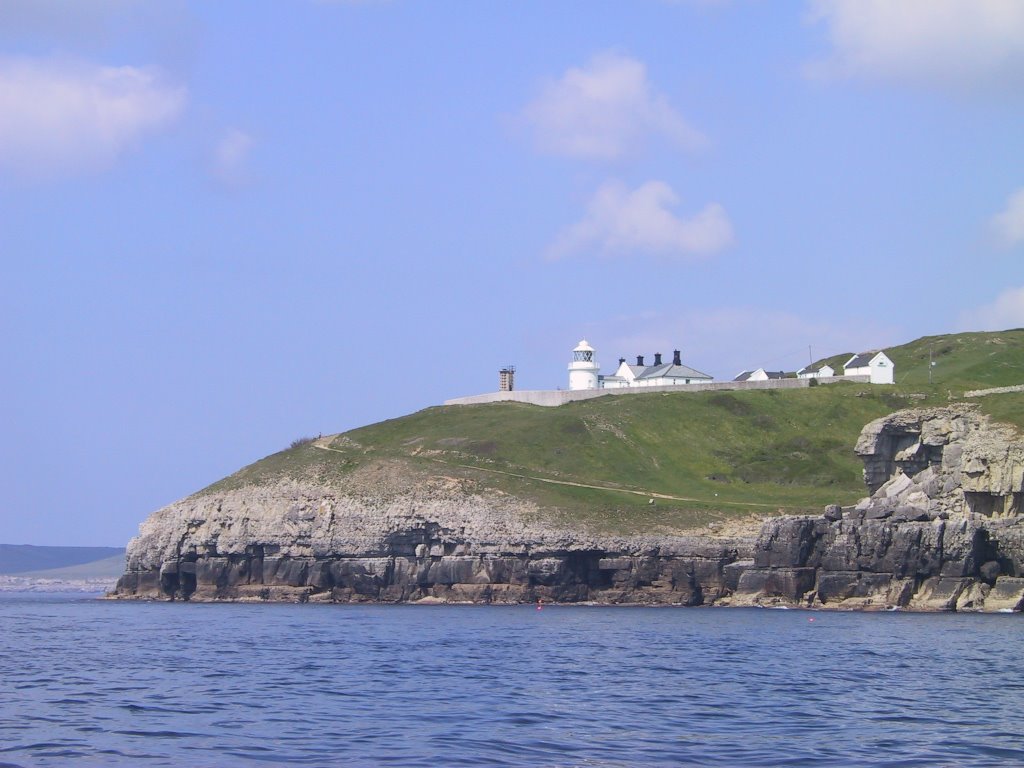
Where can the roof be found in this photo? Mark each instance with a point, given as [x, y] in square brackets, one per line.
[863, 359]
[583, 346]
[745, 375]
[815, 367]
[670, 371]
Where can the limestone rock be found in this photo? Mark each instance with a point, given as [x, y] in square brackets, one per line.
[940, 530]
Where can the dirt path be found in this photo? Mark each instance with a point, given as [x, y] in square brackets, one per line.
[648, 494]
[551, 481]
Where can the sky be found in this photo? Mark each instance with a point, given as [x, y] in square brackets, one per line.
[227, 225]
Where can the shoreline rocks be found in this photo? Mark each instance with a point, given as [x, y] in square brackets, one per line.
[942, 530]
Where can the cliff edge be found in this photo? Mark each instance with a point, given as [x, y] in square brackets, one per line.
[941, 530]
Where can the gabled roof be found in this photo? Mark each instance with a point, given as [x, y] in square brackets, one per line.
[863, 359]
[815, 367]
[745, 375]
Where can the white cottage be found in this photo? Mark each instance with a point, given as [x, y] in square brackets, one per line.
[760, 375]
[816, 371]
[876, 365]
[657, 375]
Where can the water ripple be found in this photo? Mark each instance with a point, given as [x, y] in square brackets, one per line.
[138, 684]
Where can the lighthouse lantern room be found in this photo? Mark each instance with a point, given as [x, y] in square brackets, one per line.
[584, 368]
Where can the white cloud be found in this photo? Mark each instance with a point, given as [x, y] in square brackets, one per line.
[61, 117]
[231, 156]
[943, 42]
[1008, 225]
[726, 340]
[620, 221]
[605, 110]
[1007, 311]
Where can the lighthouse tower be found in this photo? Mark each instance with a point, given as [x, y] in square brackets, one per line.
[583, 368]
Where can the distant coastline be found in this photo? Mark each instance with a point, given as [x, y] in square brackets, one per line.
[30, 584]
[25, 568]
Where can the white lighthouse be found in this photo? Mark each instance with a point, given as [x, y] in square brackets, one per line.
[583, 368]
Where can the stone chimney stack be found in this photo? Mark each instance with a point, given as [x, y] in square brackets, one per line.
[657, 358]
[675, 358]
[640, 360]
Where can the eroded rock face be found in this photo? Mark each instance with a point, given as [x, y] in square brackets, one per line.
[941, 461]
[954, 564]
[940, 531]
[395, 537]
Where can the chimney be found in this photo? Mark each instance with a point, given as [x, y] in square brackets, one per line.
[622, 360]
[640, 360]
[675, 358]
[657, 358]
[506, 378]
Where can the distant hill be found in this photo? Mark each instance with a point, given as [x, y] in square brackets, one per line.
[108, 568]
[25, 558]
[962, 361]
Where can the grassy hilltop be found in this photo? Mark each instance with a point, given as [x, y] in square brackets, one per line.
[702, 456]
[963, 361]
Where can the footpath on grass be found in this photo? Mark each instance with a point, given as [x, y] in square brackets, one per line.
[650, 494]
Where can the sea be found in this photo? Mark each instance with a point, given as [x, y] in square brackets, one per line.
[89, 682]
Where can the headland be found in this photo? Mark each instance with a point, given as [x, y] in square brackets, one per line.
[697, 498]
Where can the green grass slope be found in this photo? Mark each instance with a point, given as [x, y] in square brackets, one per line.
[702, 456]
[962, 361]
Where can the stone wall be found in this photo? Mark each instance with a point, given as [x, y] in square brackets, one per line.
[555, 397]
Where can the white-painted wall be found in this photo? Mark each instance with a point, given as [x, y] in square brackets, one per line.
[825, 372]
[583, 375]
[882, 369]
[879, 370]
[584, 368]
[560, 397]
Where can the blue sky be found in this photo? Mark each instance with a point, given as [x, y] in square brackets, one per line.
[226, 225]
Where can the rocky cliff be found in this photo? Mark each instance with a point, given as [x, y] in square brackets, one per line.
[940, 531]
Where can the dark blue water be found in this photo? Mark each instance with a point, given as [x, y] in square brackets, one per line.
[85, 682]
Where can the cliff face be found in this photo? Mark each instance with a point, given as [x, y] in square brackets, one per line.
[941, 531]
[388, 533]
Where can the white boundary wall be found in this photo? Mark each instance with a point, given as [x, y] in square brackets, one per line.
[553, 397]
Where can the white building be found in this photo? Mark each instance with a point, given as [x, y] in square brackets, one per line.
[583, 370]
[875, 364]
[759, 375]
[816, 371]
[657, 375]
